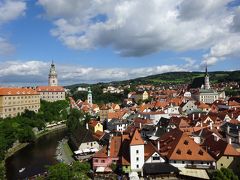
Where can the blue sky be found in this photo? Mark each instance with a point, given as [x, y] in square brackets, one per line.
[93, 41]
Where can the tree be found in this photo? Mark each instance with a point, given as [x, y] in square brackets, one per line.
[2, 171]
[224, 174]
[73, 121]
[59, 171]
[80, 170]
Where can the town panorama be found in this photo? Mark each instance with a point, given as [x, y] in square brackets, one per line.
[119, 89]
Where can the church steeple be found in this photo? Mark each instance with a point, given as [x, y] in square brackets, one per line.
[52, 77]
[206, 80]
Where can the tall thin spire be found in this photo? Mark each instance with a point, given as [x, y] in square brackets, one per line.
[206, 71]
[206, 80]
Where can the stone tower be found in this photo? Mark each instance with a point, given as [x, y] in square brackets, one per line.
[89, 97]
[206, 80]
[52, 77]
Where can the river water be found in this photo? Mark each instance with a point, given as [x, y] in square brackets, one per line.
[34, 157]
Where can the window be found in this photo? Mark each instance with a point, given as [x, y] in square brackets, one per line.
[137, 159]
[200, 152]
[137, 151]
[186, 142]
[174, 161]
[221, 164]
[102, 161]
[155, 158]
[96, 160]
[189, 152]
[227, 157]
[178, 151]
[183, 162]
[137, 166]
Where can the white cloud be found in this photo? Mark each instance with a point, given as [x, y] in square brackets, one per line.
[9, 10]
[137, 28]
[36, 72]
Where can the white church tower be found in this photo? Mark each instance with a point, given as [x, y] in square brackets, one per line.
[137, 152]
[52, 77]
[206, 80]
[89, 97]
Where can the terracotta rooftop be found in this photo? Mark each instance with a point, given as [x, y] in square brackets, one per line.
[219, 148]
[136, 139]
[15, 91]
[50, 89]
[176, 145]
[149, 149]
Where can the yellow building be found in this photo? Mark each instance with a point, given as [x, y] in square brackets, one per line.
[95, 126]
[14, 101]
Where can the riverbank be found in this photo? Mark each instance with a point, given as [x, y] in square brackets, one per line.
[18, 146]
[64, 153]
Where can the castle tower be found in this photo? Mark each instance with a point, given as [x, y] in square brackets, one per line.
[206, 80]
[52, 77]
[89, 97]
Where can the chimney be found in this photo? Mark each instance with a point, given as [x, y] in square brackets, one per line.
[86, 125]
[238, 136]
[140, 126]
[228, 129]
[158, 145]
[211, 125]
[193, 116]
[156, 128]
[229, 140]
[199, 115]
[201, 124]
[109, 144]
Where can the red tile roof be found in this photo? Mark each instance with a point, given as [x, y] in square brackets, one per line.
[176, 145]
[50, 89]
[219, 148]
[15, 91]
[136, 139]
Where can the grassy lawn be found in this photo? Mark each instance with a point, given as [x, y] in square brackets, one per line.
[67, 150]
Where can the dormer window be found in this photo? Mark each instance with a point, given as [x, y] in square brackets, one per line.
[178, 151]
[200, 152]
[186, 142]
[189, 152]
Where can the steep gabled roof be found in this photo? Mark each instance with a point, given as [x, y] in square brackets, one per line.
[219, 148]
[176, 145]
[136, 139]
[149, 150]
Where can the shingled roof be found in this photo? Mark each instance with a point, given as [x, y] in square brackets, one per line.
[176, 145]
[136, 139]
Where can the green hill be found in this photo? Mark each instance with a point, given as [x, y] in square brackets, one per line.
[194, 78]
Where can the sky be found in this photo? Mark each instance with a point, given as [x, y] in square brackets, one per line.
[107, 40]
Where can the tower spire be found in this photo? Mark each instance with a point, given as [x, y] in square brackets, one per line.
[206, 80]
[206, 71]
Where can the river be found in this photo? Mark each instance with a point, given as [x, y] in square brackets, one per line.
[34, 157]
